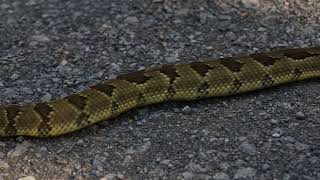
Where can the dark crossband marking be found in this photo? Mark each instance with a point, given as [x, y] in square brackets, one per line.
[78, 101]
[44, 110]
[236, 86]
[104, 88]
[171, 92]
[264, 58]
[140, 99]
[3, 118]
[200, 67]
[296, 53]
[114, 107]
[315, 50]
[296, 73]
[267, 81]
[170, 71]
[231, 64]
[203, 88]
[12, 112]
[83, 119]
[135, 77]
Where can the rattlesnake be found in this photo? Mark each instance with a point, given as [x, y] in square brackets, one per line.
[195, 80]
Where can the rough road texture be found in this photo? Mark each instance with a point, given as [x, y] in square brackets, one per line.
[50, 49]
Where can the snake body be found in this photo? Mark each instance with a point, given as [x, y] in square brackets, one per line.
[195, 80]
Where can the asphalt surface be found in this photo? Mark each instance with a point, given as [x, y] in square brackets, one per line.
[51, 48]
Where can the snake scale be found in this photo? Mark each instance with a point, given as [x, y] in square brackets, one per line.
[195, 80]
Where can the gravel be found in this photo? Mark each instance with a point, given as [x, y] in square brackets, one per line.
[50, 48]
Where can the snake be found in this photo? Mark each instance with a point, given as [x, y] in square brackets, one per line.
[169, 82]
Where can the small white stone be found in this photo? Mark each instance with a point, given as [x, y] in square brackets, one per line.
[276, 135]
[27, 178]
[4, 165]
[47, 97]
[300, 115]
[221, 176]
[245, 173]
[131, 20]
[40, 38]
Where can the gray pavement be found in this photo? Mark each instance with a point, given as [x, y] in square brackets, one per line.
[51, 48]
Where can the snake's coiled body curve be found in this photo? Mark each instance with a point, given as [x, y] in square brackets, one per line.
[190, 81]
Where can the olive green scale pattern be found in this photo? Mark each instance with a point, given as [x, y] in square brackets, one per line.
[175, 82]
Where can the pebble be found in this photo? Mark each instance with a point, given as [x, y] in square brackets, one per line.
[231, 36]
[289, 139]
[171, 59]
[262, 29]
[186, 110]
[224, 17]
[188, 175]
[27, 178]
[221, 176]
[314, 160]
[265, 167]
[182, 12]
[240, 162]
[104, 28]
[146, 139]
[130, 151]
[113, 176]
[196, 168]
[247, 147]
[19, 149]
[115, 67]
[98, 162]
[131, 20]
[158, 160]
[55, 79]
[277, 132]
[4, 6]
[145, 147]
[301, 146]
[205, 132]
[276, 135]
[308, 30]
[4, 166]
[41, 38]
[127, 160]
[47, 97]
[26, 90]
[288, 106]
[166, 162]
[274, 121]
[245, 173]
[61, 161]
[14, 76]
[224, 166]
[300, 115]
